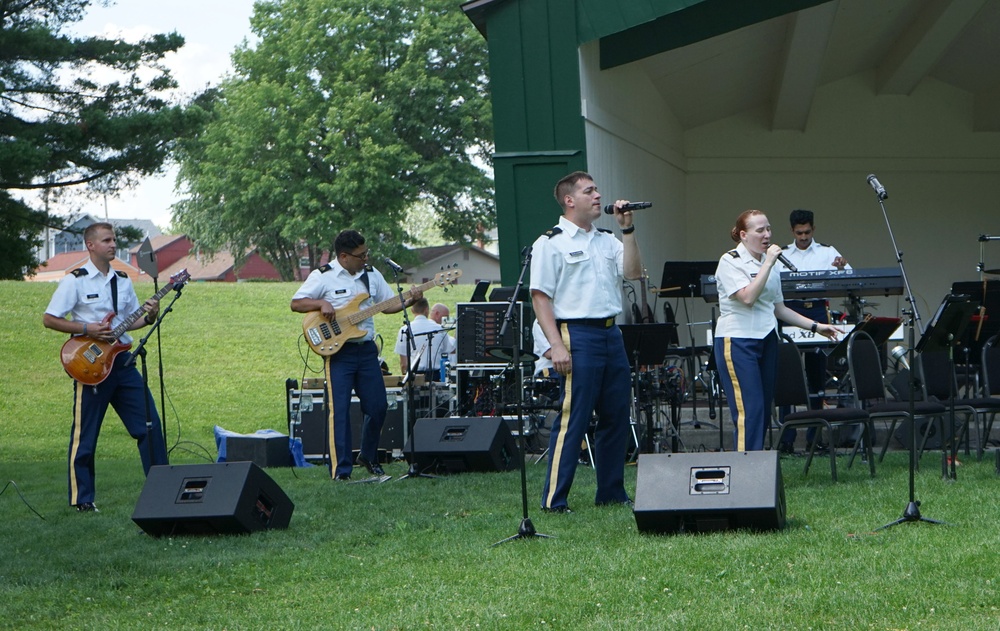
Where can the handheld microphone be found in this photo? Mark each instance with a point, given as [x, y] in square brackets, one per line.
[610, 208]
[393, 265]
[879, 189]
[787, 263]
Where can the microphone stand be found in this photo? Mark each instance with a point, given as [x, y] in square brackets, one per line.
[526, 529]
[411, 403]
[140, 350]
[912, 511]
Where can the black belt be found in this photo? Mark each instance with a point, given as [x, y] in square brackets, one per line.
[604, 323]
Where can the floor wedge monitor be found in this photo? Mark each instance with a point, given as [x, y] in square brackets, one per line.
[211, 499]
[459, 444]
[709, 491]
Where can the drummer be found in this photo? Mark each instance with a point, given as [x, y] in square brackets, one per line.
[809, 255]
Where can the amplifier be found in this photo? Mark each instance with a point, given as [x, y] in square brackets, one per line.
[307, 422]
[478, 327]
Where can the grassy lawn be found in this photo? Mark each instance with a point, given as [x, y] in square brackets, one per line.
[417, 553]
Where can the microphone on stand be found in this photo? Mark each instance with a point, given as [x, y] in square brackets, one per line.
[879, 189]
[610, 208]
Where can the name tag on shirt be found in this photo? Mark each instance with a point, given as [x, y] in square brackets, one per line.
[93, 296]
[340, 291]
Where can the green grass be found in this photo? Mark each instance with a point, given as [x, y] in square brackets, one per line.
[417, 553]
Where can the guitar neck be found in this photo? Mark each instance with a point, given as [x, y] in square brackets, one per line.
[129, 320]
[367, 312]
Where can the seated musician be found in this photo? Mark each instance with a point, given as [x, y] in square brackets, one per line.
[430, 341]
[809, 255]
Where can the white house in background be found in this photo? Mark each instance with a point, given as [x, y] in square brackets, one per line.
[476, 264]
[70, 239]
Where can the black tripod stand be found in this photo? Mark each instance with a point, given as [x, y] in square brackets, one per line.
[648, 345]
[526, 529]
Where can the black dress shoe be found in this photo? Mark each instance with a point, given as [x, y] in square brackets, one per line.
[87, 507]
[374, 468]
[626, 502]
[557, 509]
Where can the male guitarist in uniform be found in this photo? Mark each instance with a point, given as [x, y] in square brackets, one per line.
[89, 294]
[356, 365]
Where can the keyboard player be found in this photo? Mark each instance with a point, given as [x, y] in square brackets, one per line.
[809, 255]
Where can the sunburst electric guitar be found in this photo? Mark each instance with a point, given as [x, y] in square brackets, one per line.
[89, 360]
[327, 337]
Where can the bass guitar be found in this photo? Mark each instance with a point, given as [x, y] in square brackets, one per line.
[327, 337]
[89, 360]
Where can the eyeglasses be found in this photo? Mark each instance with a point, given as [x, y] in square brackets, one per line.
[361, 257]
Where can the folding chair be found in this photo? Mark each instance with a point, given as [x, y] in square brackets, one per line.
[990, 367]
[791, 390]
[865, 369]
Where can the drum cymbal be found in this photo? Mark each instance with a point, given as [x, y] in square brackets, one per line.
[505, 353]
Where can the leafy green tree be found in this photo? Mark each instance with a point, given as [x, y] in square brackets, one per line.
[343, 115]
[62, 125]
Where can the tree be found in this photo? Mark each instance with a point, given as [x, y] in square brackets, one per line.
[344, 115]
[64, 126]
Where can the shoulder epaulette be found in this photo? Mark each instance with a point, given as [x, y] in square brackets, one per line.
[369, 268]
[78, 272]
[323, 269]
[825, 245]
[604, 230]
[553, 231]
[121, 274]
[734, 253]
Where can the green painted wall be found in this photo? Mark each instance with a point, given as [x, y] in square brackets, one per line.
[535, 83]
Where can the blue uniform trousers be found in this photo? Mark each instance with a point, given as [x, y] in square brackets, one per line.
[599, 382]
[747, 370]
[355, 368]
[127, 394]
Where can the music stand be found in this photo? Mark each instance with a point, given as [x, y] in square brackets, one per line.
[682, 279]
[880, 328]
[944, 333]
[647, 345]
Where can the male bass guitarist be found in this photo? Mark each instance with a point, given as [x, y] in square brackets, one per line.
[90, 294]
[354, 366]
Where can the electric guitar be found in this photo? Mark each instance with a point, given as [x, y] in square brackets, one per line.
[89, 360]
[327, 337]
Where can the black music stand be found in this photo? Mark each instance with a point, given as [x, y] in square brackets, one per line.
[683, 279]
[648, 345]
[944, 333]
[880, 328]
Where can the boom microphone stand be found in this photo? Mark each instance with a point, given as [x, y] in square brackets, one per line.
[912, 511]
[140, 351]
[526, 530]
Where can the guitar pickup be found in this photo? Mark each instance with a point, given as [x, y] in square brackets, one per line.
[92, 353]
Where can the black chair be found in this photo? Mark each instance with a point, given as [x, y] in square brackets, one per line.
[939, 383]
[791, 390]
[990, 367]
[865, 369]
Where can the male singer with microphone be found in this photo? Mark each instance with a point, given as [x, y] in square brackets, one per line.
[355, 367]
[576, 279]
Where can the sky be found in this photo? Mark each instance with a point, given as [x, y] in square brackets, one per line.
[212, 29]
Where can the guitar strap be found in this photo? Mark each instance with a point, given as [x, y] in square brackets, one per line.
[367, 282]
[114, 292]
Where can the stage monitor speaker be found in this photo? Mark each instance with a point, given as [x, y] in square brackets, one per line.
[709, 491]
[211, 499]
[458, 444]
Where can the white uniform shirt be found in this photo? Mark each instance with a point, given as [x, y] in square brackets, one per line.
[88, 298]
[737, 269]
[338, 287]
[440, 343]
[817, 257]
[581, 271]
[540, 347]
